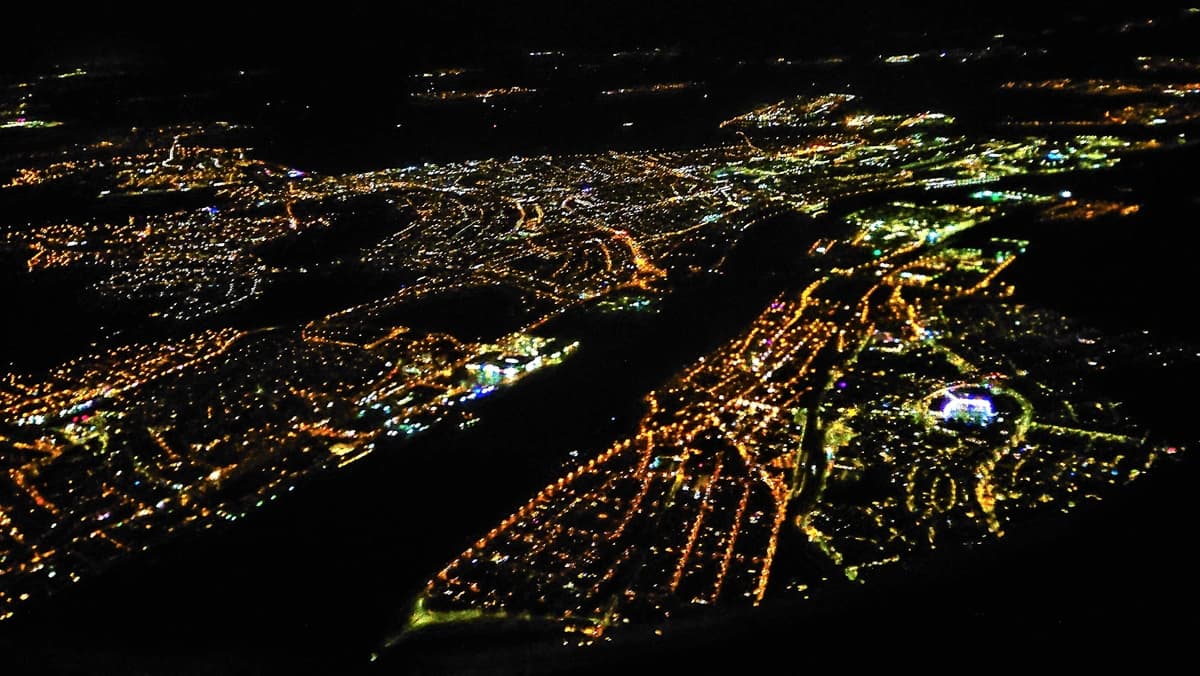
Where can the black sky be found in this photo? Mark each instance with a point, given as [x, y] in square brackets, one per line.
[368, 35]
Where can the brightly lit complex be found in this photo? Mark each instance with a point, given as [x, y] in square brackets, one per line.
[110, 453]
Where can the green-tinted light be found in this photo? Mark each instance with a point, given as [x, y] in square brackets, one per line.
[877, 252]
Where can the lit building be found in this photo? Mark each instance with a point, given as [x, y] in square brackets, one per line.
[968, 410]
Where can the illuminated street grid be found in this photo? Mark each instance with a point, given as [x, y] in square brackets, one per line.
[114, 451]
[895, 404]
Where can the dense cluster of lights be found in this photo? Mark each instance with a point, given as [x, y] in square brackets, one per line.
[1086, 210]
[112, 452]
[826, 387]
